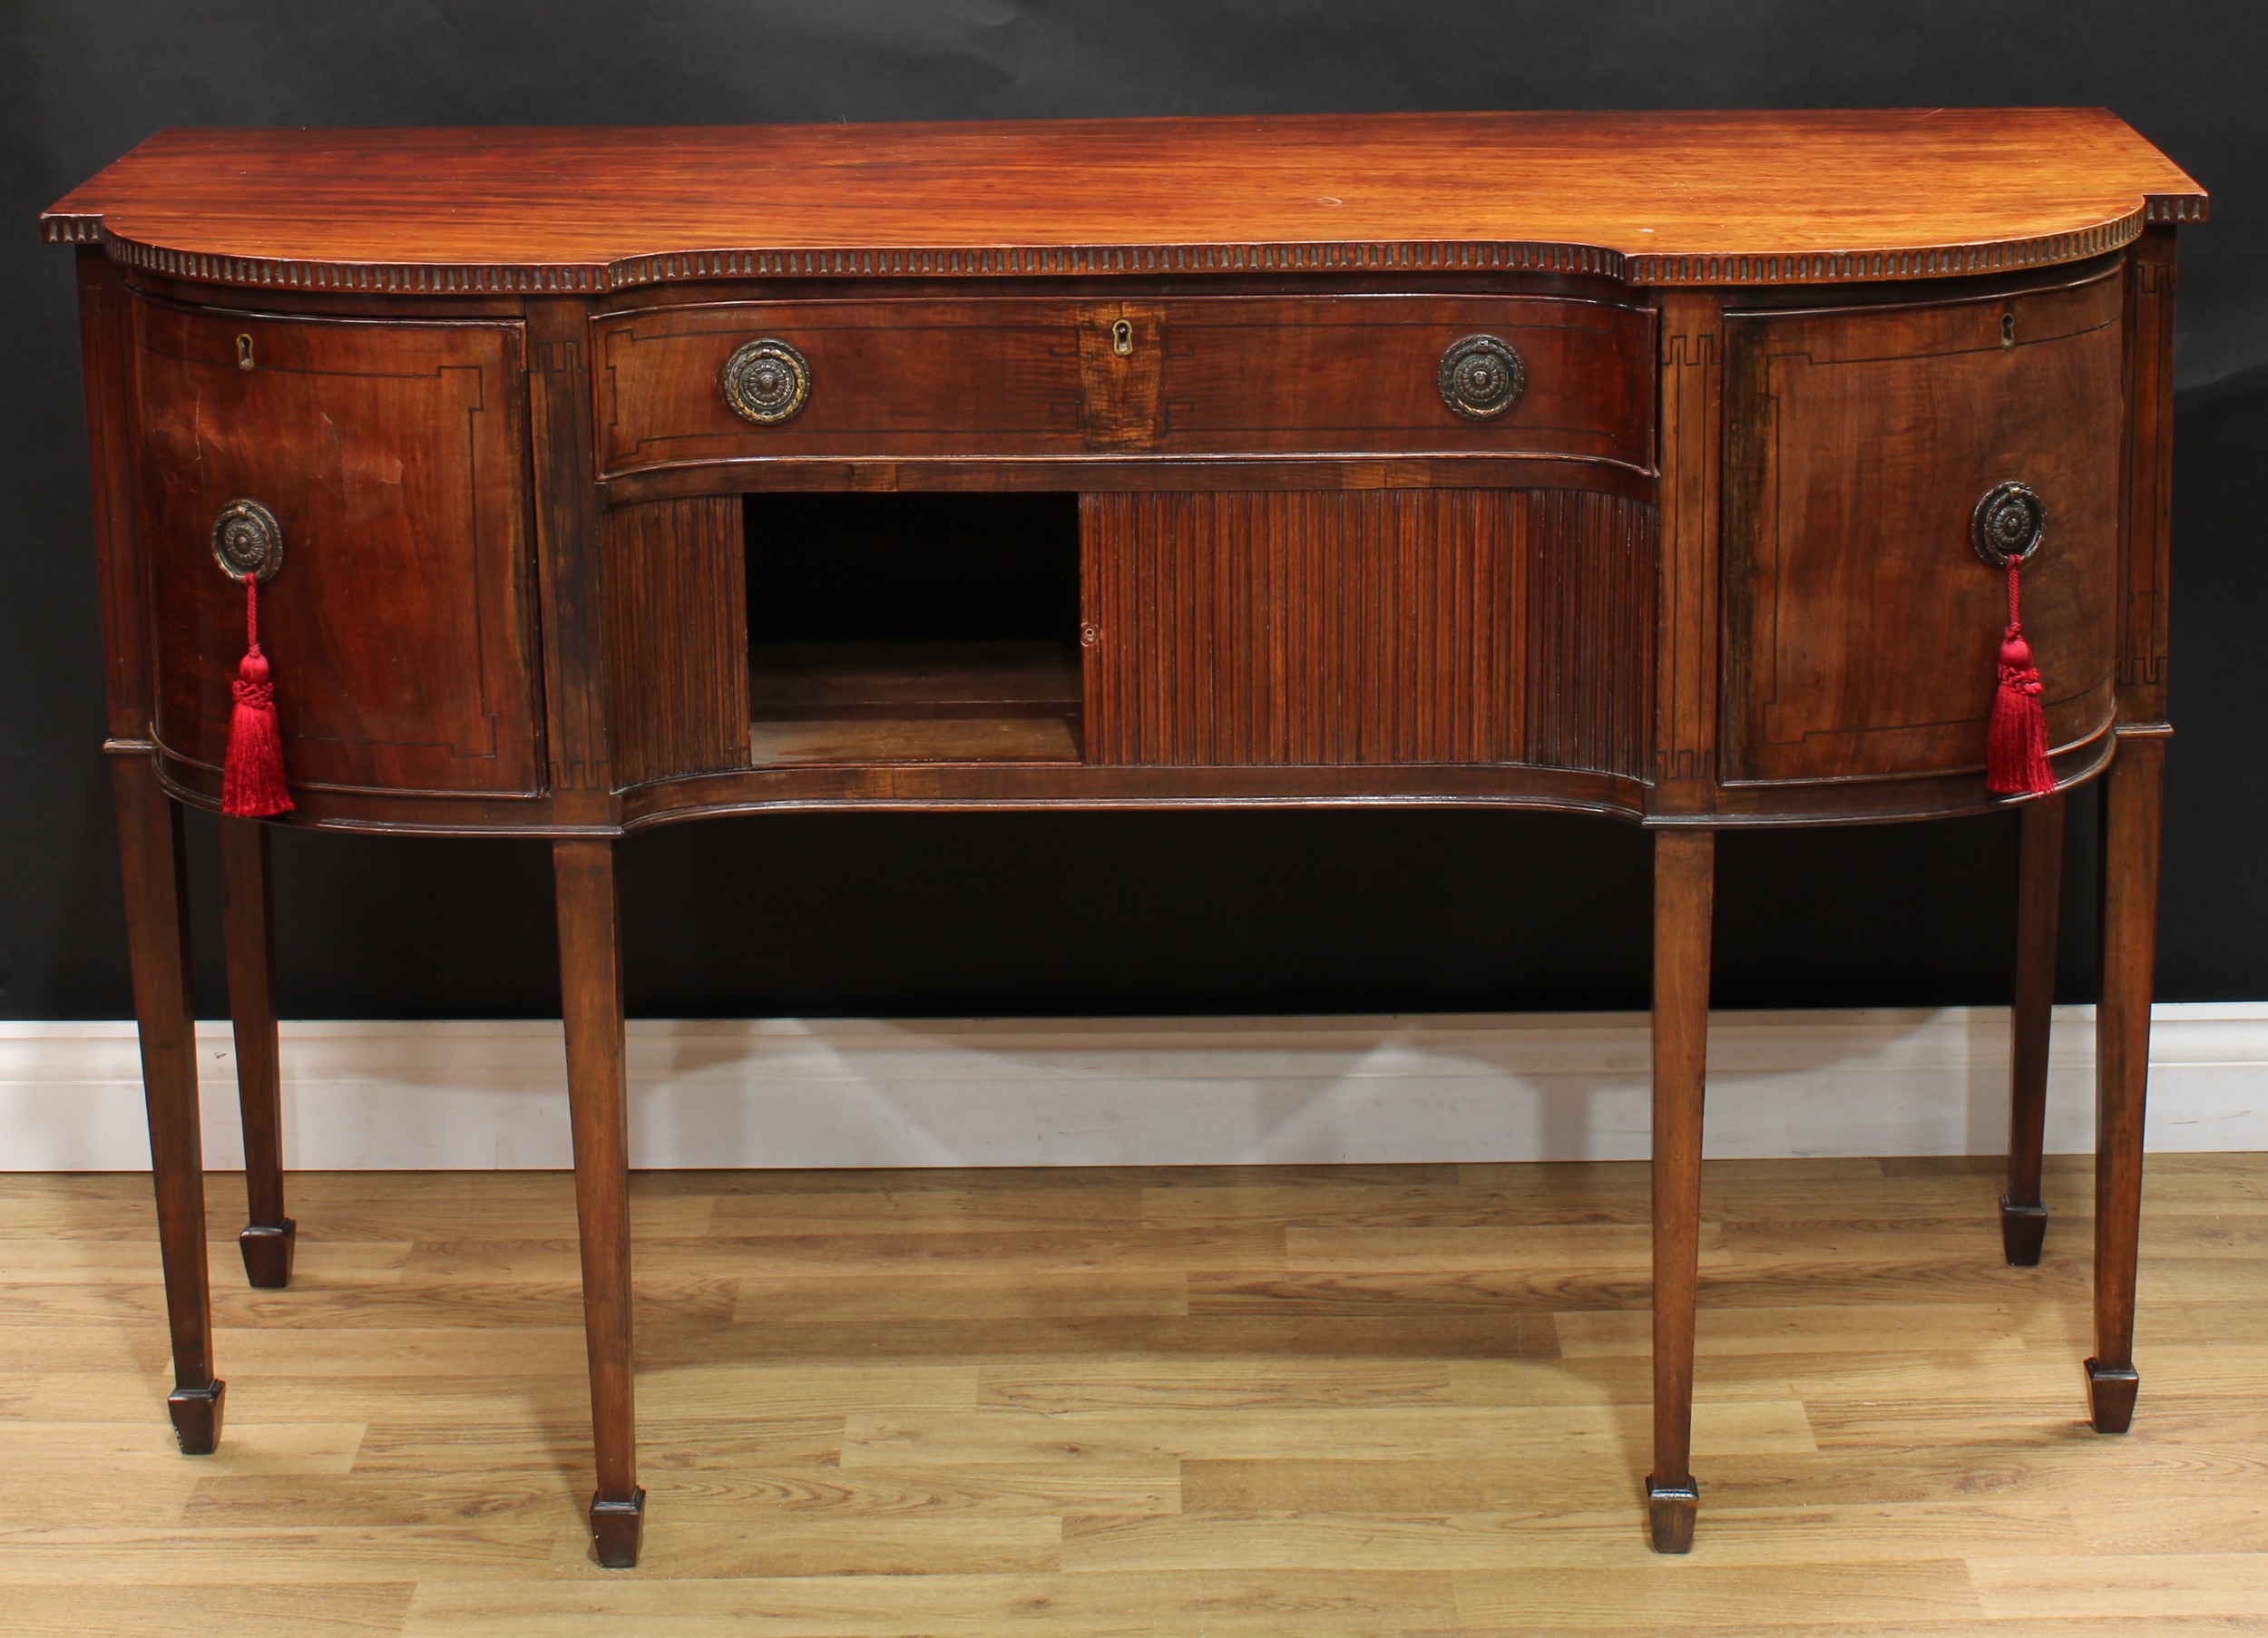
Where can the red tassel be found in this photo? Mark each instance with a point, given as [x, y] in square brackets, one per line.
[252, 778]
[2016, 744]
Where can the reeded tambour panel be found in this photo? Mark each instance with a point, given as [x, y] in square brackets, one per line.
[676, 638]
[1591, 574]
[1368, 627]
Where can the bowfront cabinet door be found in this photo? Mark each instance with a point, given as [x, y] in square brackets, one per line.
[1862, 629]
[400, 622]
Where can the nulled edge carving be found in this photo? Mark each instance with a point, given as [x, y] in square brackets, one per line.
[1015, 261]
[2177, 208]
[1843, 266]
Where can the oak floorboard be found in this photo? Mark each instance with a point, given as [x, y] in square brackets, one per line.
[103, 1396]
[913, 1298]
[1807, 1622]
[139, 1609]
[1170, 1385]
[1545, 1536]
[1767, 1598]
[1326, 1603]
[2140, 1587]
[770, 1389]
[1391, 1402]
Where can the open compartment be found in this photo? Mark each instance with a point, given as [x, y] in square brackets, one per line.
[913, 627]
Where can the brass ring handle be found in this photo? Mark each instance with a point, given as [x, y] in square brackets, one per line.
[767, 381]
[1480, 377]
[246, 541]
[2009, 524]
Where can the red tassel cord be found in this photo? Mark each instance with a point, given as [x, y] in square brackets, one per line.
[2016, 744]
[252, 778]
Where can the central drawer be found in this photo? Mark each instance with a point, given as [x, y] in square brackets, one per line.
[1010, 378]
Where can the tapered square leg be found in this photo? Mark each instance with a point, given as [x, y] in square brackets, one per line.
[247, 930]
[1685, 868]
[151, 869]
[2130, 796]
[2038, 900]
[590, 1006]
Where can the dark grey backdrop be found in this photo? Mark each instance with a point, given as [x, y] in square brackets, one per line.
[1051, 913]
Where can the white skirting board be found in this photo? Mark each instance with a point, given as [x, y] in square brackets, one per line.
[802, 1092]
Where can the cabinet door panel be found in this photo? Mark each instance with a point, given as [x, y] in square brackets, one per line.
[1862, 631]
[400, 623]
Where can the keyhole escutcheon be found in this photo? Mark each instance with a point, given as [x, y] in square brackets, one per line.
[1123, 337]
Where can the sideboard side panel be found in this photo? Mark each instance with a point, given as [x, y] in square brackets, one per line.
[106, 352]
[569, 567]
[676, 638]
[2145, 532]
[1692, 408]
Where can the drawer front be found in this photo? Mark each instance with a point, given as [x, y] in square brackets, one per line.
[1010, 378]
[886, 378]
[393, 455]
[1364, 375]
[1862, 629]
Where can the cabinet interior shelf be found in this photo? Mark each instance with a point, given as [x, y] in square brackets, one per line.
[910, 627]
[922, 701]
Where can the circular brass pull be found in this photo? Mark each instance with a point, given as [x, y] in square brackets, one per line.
[1480, 377]
[246, 541]
[2008, 525]
[767, 381]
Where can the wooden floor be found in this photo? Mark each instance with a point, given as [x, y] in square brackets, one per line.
[1310, 1403]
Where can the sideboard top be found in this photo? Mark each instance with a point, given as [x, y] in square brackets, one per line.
[1726, 198]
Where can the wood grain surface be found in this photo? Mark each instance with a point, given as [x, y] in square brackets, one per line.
[1672, 197]
[1375, 1400]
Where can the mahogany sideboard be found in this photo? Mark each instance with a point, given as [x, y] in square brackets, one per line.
[1657, 466]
